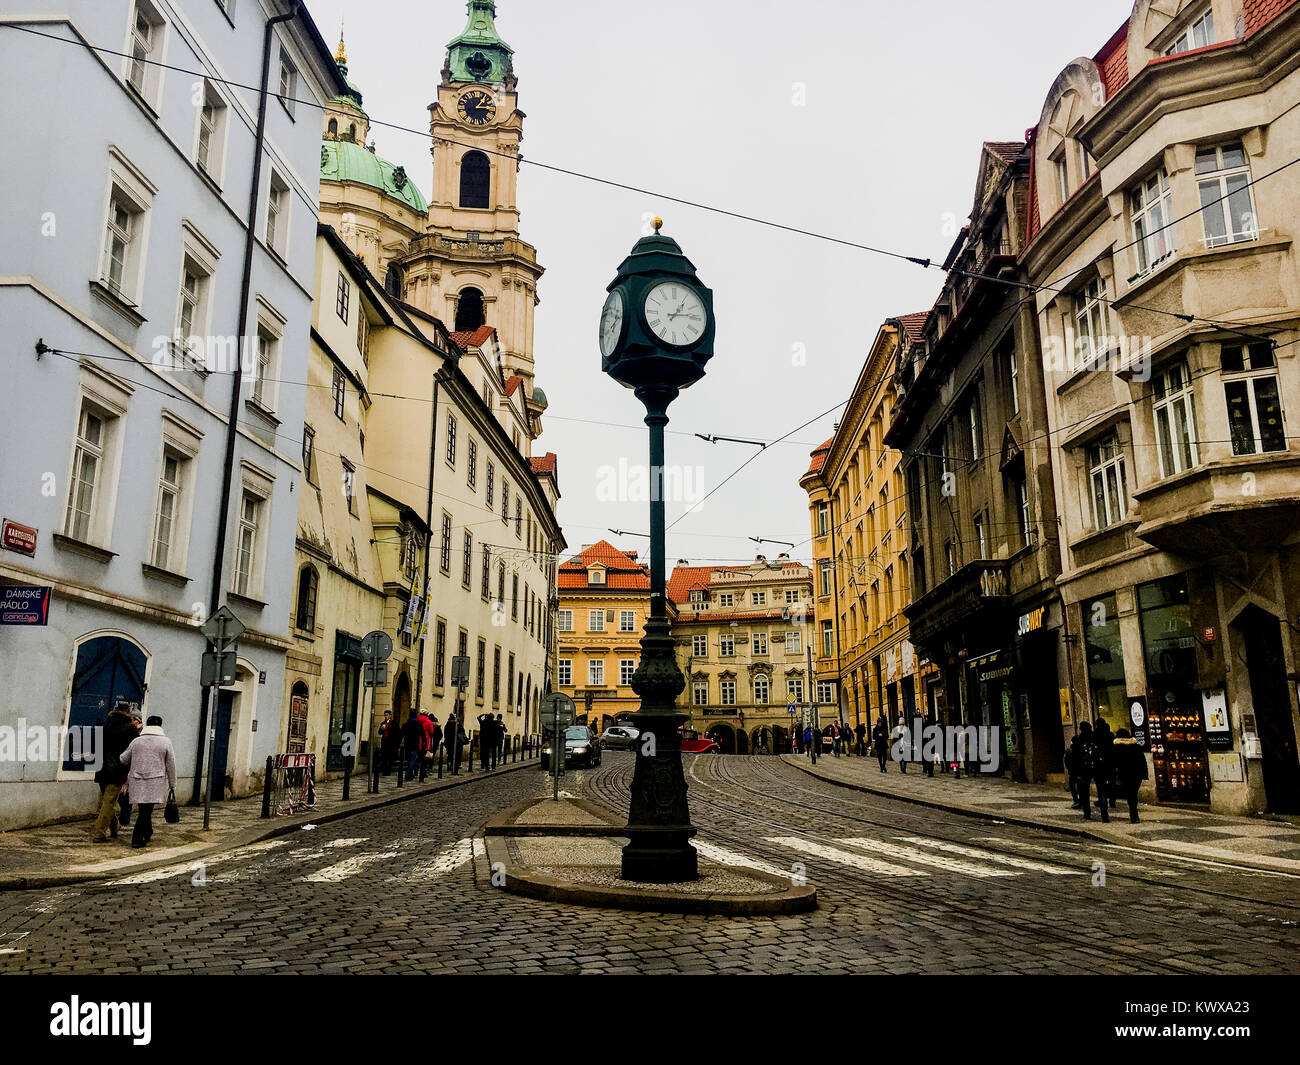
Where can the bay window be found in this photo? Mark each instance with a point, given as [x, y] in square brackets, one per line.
[1175, 419]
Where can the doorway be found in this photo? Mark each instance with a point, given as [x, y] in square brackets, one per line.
[1261, 636]
[221, 743]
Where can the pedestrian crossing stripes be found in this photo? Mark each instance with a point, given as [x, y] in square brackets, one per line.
[332, 874]
[713, 853]
[990, 856]
[834, 854]
[937, 861]
[444, 862]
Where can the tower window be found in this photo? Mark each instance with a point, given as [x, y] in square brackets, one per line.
[333, 127]
[475, 180]
[469, 311]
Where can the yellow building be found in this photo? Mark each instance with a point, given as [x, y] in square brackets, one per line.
[857, 506]
[743, 635]
[604, 601]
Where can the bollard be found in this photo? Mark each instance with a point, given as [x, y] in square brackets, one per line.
[440, 749]
[266, 786]
[347, 778]
[401, 765]
[471, 751]
[372, 781]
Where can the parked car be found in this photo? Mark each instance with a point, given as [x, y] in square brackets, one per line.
[694, 743]
[619, 738]
[581, 747]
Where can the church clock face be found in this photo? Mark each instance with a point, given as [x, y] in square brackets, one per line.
[611, 323]
[477, 107]
[675, 313]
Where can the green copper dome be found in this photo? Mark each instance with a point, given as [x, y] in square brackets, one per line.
[479, 54]
[346, 161]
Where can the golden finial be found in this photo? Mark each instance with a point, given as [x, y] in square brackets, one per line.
[341, 55]
[659, 224]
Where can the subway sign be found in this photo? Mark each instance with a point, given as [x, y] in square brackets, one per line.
[1031, 622]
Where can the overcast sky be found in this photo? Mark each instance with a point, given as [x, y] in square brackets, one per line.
[862, 120]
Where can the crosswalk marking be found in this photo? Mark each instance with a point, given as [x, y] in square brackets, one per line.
[1114, 864]
[989, 856]
[834, 854]
[722, 856]
[332, 874]
[442, 863]
[347, 842]
[937, 861]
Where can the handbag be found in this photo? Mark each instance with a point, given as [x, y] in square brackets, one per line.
[171, 812]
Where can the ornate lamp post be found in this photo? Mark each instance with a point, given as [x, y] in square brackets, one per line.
[656, 334]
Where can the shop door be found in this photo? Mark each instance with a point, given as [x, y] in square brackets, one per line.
[221, 744]
[1268, 691]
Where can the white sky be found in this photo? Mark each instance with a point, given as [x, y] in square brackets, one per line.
[697, 99]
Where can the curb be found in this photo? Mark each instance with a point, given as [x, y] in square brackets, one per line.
[21, 882]
[1259, 863]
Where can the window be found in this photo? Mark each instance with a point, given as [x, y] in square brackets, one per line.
[343, 297]
[828, 639]
[596, 576]
[452, 428]
[727, 599]
[210, 143]
[410, 550]
[496, 675]
[759, 598]
[439, 653]
[1021, 490]
[118, 247]
[489, 483]
[626, 667]
[1085, 162]
[514, 596]
[596, 672]
[564, 621]
[1254, 403]
[950, 557]
[444, 560]
[826, 578]
[261, 390]
[505, 502]
[308, 586]
[762, 690]
[339, 392]
[1198, 34]
[467, 563]
[309, 453]
[1175, 419]
[349, 485]
[1153, 234]
[792, 595]
[1227, 204]
[794, 688]
[470, 316]
[1062, 177]
[144, 51]
[760, 643]
[192, 307]
[1090, 323]
[727, 692]
[87, 472]
[564, 672]
[277, 215]
[981, 536]
[627, 621]
[480, 678]
[726, 645]
[825, 692]
[823, 519]
[363, 333]
[519, 518]
[168, 510]
[793, 645]
[471, 472]
[501, 588]
[595, 621]
[246, 543]
[487, 572]
[699, 646]
[1013, 377]
[510, 680]
[1109, 488]
[288, 82]
[700, 692]
[475, 180]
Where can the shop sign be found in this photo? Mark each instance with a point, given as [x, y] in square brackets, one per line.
[1066, 717]
[1031, 622]
[24, 604]
[1218, 730]
[1137, 717]
[1009, 729]
[21, 538]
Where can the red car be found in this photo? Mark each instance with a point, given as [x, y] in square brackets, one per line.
[694, 743]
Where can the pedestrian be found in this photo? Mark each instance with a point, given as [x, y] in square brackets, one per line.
[414, 737]
[388, 737]
[807, 740]
[862, 739]
[487, 741]
[152, 776]
[1130, 770]
[502, 740]
[119, 731]
[902, 744]
[452, 738]
[880, 739]
[430, 745]
[435, 740]
[1105, 766]
[1083, 755]
[835, 739]
[1071, 782]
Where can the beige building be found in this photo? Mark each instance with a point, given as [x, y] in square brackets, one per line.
[1161, 228]
[860, 551]
[743, 639]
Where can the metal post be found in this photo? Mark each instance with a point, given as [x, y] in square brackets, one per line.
[347, 778]
[401, 764]
[266, 786]
[441, 747]
[212, 737]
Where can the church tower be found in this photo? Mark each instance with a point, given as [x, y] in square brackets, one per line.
[471, 268]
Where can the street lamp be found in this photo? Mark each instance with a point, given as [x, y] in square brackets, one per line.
[656, 334]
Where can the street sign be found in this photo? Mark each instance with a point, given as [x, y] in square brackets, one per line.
[789, 708]
[460, 671]
[377, 644]
[223, 628]
[370, 679]
[24, 604]
[553, 702]
[21, 538]
[218, 668]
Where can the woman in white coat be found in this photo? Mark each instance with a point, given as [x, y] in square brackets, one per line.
[152, 765]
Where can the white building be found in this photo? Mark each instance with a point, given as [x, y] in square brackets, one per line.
[124, 228]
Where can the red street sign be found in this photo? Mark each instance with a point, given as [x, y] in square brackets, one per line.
[23, 604]
[1209, 635]
[19, 537]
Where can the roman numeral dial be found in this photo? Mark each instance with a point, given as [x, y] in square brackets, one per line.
[675, 313]
[477, 107]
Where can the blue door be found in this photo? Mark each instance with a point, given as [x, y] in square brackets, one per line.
[109, 671]
[221, 745]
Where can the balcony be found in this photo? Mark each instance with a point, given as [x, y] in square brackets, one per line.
[973, 600]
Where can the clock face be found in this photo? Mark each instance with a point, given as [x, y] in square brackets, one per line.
[675, 313]
[477, 107]
[611, 323]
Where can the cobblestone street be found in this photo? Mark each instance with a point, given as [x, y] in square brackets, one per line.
[901, 889]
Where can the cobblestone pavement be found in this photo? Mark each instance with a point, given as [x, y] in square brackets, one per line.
[902, 889]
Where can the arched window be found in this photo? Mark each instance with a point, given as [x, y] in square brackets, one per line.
[352, 131]
[333, 127]
[469, 310]
[298, 698]
[109, 672]
[475, 180]
[501, 585]
[308, 583]
[393, 281]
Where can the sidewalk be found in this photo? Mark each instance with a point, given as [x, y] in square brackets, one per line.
[1260, 843]
[55, 855]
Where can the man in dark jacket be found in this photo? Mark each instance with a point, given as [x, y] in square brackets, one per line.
[862, 739]
[1083, 764]
[388, 738]
[1104, 770]
[119, 730]
[453, 737]
[415, 738]
[880, 739]
[1130, 770]
[487, 741]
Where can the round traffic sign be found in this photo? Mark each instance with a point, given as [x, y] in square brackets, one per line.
[377, 644]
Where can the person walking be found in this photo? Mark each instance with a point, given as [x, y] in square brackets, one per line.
[119, 730]
[862, 739]
[502, 740]
[388, 737]
[1130, 770]
[1104, 770]
[835, 739]
[927, 751]
[430, 744]
[902, 743]
[487, 741]
[415, 738]
[880, 740]
[1083, 758]
[151, 763]
[452, 738]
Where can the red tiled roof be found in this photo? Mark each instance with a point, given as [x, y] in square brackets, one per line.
[685, 579]
[621, 572]
[1260, 13]
[475, 338]
[819, 456]
[1008, 150]
[727, 615]
[512, 383]
[543, 464]
[913, 324]
[1112, 61]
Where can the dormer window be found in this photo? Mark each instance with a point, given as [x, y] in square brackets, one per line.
[596, 576]
[697, 596]
[1198, 34]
